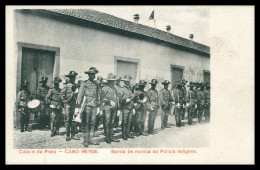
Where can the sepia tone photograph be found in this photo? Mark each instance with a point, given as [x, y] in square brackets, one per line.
[131, 79]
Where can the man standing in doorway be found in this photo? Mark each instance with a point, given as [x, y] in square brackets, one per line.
[42, 91]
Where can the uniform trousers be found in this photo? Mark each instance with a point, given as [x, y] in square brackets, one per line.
[70, 125]
[164, 116]
[89, 119]
[108, 121]
[126, 122]
[55, 120]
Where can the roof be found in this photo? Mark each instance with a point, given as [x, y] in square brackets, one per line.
[118, 23]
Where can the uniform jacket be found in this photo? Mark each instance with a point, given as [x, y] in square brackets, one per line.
[42, 91]
[23, 97]
[119, 94]
[90, 90]
[127, 93]
[108, 94]
[165, 97]
[67, 94]
[153, 97]
[201, 98]
[179, 96]
[190, 97]
[207, 95]
[54, 97]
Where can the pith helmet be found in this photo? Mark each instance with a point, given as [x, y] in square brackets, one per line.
[44, 79]
[92, 70]
[71, 74]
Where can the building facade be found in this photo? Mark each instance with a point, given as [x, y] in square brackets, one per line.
[53, 42]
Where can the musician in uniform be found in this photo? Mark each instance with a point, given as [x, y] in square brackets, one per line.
[109, 100]
[207, 102]
[153, 96]
[195, 90]
[98, 116]
[200, 101]
[119, 96]
[184, 91]
[23, 97]
[178, 99]
[87, 103]
[69, 96]
[79, 125]
[42, 91]
[191, 101]
[127, 107]
[133, 121]
[164, 102]
[54, 99]
[140, 108]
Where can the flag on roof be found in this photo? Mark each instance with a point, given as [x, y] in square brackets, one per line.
[152, 15]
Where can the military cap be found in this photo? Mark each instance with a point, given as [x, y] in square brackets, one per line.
[44, 79]
[153, 81]
[92, 70]
[126, 78]
[111, 76]
[25, 82]
[166, 82]
[142, 82]
[56, 80]
[72, 73]
[66, 81]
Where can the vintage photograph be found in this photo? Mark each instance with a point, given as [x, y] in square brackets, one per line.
[112, 77]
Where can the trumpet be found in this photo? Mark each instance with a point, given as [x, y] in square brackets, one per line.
[144, 100]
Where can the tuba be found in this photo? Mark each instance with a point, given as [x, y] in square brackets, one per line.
[144, 100]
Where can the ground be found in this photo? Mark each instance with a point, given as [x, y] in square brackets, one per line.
[186, 136]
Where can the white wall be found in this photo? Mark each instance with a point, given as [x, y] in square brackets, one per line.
[82, 47]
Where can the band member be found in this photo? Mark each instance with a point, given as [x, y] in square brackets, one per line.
[79, 126]
[164, 102]
[42, 91]
[98, 116]
[119, 108]
[140, 108]
[23, 97]
[191, 101]
[54, 99]
[69, 96]
[153, 96]
[178, 99]
[195, 90]
[207, 102]
[133, 121]
[109, 100]
[87, 100]
[184, 91]
[127, 106]
[200, 101]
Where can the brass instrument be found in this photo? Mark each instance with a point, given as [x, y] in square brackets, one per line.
[144, 100]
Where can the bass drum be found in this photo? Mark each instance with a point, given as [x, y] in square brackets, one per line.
[34, 105]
